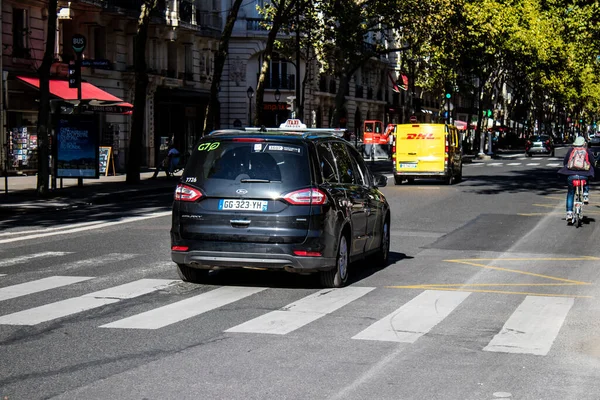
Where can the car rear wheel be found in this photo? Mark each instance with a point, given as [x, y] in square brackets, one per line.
[338, 276]
[398, 180]
[192, 275]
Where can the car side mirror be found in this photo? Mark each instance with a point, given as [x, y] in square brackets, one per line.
[380, 180]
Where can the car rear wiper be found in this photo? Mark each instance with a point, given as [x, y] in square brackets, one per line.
[248, 180]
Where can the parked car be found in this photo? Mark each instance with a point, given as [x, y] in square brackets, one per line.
[299, 201]
[539, 144]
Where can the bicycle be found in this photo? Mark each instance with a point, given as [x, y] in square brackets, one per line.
[578, 183]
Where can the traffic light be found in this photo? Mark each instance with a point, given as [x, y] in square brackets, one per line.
[448, 95]
[488, 113]
[74, 75]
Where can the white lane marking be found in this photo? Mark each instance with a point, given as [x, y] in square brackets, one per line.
[554, 165]
[532, 328]
[88, 228]
[184, 309]
[414, 319]
[97, 261]
[24, 259]
[74, 305]
[56, 228]
[495, 164]
[532, 164]
[302, 312]
[514, 163]
[40, 285]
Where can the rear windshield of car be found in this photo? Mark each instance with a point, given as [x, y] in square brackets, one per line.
[540, 138]
[223, 161]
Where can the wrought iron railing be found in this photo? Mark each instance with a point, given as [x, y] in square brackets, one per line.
[286, 81]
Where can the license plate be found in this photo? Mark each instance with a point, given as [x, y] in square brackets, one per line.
[250, 205]
[408, 165]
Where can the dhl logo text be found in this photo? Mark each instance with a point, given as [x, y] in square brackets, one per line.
[420, 136]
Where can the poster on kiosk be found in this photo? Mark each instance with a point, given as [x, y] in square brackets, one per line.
[76, 153]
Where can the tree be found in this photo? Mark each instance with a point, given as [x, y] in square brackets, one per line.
[44, 122]
[220, 58]
[139, 100]
[278, 12]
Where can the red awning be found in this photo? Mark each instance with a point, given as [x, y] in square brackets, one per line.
[88, 91]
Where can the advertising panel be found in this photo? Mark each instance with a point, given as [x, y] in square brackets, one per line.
[77, 152]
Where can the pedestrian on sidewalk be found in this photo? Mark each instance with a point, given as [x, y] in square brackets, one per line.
[170, 162]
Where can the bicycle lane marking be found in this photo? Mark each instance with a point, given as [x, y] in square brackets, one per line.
[483, 287]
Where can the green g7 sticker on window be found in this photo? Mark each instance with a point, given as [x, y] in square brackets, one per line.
[209, 146]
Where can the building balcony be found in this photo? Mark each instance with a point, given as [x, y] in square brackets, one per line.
[131, 7]
[257, 25]
[279, 81]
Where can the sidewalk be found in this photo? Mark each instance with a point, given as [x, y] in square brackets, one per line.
[22, 196]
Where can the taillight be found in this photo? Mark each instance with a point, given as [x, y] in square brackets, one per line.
[186, 193]
[180, 248]
[304, 253]
[306, 197]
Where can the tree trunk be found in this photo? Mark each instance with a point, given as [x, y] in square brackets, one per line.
[340, 100]
[44, 121]
[220, 58]
[266, 60]
[139, 101]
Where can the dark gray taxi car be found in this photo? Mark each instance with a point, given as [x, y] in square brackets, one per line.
[299, 201]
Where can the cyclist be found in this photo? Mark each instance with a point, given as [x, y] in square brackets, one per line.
[573, 173]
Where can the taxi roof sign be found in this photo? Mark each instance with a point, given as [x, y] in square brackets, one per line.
[293, 123]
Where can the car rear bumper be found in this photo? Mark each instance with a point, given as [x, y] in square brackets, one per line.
[539, 150]
[412, 174]
[225, 260]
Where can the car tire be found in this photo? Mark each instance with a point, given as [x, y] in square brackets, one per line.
[398, 180]
[338, 276]
[192, 275]
[383, 254]
[529, 155]
[410, 181]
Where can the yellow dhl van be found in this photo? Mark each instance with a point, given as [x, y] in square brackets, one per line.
[427, 151]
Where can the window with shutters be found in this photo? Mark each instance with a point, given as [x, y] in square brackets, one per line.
[20, 32]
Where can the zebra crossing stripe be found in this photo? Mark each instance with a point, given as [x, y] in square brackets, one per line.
[554, 165]
[39, 285]
[184, 309]
[98, 261]
[532, 328]
[514, 164]
[24, 259]
[302, 312]
[532, 164]
[495, 164]
[414, 319]
[48, 312]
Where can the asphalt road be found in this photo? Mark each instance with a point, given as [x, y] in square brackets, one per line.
[489, 295]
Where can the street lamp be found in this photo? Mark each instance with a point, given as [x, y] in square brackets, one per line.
[250, 93]
[277, 97]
